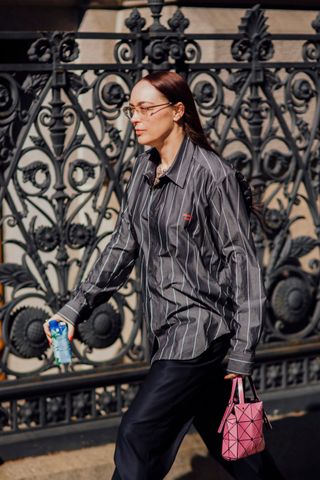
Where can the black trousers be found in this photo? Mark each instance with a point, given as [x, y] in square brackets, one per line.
[175, 394]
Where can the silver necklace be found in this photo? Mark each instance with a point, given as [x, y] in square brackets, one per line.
[159, 172]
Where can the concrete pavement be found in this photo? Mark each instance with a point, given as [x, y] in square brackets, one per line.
[293, 442]
[96, 463]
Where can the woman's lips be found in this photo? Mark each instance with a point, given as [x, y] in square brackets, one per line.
[139, 132]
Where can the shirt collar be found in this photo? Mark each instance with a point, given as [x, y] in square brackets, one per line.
[178, 171]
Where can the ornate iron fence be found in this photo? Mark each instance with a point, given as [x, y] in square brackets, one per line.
[65, 156]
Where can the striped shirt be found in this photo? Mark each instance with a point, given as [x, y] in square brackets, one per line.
[200, 276]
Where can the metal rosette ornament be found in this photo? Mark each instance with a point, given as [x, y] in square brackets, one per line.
[292, 302]
[27, 334]
[292, 313]
[291, 299]
[102, 328]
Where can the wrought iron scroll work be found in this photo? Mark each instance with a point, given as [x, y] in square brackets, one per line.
[68, 166]
[66, 154]
[261, 118]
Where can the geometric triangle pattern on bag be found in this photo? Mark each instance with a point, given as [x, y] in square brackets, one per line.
[242, 423]
[243, 431]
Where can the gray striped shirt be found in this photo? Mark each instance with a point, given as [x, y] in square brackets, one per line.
[200, 275]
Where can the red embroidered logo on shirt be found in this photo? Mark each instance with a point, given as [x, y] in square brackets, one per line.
[187, 216]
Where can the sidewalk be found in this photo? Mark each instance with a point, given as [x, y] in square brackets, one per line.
[96, 463]
[293, 442]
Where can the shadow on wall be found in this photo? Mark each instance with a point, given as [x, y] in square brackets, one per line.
[29, 16]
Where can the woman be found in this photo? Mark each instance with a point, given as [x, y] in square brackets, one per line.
[184, 215]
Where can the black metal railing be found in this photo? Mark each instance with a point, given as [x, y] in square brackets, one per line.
[66, 153]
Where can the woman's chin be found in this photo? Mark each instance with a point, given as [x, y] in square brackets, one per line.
[142, 141]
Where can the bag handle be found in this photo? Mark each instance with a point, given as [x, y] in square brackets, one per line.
[233, 390]
[256, 397]
[238, 382]
[229, 408]
[253, 388]
[240, 389]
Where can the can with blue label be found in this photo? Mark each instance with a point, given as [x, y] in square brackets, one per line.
[60, 342]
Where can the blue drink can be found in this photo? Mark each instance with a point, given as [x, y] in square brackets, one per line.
[60, 342]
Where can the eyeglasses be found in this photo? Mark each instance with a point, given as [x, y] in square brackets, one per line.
[144, 112]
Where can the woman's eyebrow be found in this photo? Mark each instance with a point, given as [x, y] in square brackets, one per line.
[140, 103]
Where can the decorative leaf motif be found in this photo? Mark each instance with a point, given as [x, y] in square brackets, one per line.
[238, 133]
[286, 250]
[78, 139]
[273, 79]
[255, 43]
[30, 175]
[15, 275]
[302, 245]
[35, 83]
[236, 80]
[273, 132]
[87, 169]
[135, 22]
[178, 22]
[59, 46]
[37, 141]
[77, 83]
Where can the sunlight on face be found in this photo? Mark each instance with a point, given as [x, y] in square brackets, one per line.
[154, 125]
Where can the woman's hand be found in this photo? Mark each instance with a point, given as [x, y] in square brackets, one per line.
[231, 376]
[58, 319]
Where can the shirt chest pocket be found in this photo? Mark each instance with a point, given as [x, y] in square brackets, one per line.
[188, 226]
[195, 227]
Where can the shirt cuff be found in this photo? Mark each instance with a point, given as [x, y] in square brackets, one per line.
[69, 314]
[241, 364]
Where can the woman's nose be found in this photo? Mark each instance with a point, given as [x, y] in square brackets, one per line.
[135, 117]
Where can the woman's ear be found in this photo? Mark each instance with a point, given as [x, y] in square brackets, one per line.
[178, 111]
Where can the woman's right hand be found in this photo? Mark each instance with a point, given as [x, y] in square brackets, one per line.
[58, 319]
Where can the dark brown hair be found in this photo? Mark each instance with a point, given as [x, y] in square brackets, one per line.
[176, 89]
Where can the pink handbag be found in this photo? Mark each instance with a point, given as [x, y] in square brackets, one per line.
[242, 424]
